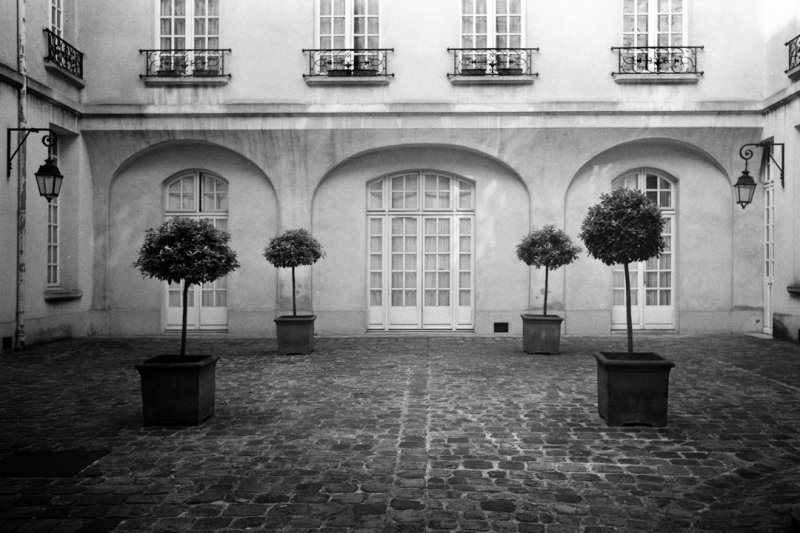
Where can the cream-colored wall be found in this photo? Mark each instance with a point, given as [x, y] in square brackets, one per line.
[136, 203]
[574, 63]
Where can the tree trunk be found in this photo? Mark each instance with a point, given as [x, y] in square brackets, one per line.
[294, 301]
[185, 312]
[628, 308]
[546, 271]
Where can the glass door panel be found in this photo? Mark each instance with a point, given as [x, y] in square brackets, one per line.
[403, 289]
[437, 268]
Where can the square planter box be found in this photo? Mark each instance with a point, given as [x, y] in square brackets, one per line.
[295, 334]
[541, 333]
[473, 71]
[178, 390]
[632, 389]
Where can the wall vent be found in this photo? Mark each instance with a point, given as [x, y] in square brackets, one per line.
[501, 327]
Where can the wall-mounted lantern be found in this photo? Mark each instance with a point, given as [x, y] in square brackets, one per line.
[746, 186]
[48, 177]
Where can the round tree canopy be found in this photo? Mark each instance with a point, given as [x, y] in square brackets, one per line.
[185, 249]
[547, 247]
[625, 227]
[293, 248]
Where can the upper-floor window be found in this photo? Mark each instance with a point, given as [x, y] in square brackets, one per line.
[491, 24]
[188, 24]
[349, 24]
[654, 23]
[57, 17]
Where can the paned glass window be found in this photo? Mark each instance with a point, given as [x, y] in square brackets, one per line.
[491, 24]
[53, 239]
[345, 24]
[653, 22]
[57, 17]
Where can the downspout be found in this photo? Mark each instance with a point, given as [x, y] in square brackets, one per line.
[22, 105]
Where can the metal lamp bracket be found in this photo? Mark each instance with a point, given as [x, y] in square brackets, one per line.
[48, 140]
[746, 154]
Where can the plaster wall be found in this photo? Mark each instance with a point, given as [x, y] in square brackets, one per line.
[136, 204]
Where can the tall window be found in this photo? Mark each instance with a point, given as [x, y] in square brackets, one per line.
[57, 17]
[204, 196]
[491, 24]
[349, 24]
[653, 23]
[52, 244]
[189, 24]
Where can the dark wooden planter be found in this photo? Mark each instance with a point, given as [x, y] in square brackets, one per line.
[541, 333]
[365, 72]
[633, 389]
[473, 71]
[509, 71]
[295, 334]
[206, 73]
[169, 73]
[339, 72]
[178, 390]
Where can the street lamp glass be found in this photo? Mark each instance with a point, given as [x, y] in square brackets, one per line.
[48, 179]
[745, 189]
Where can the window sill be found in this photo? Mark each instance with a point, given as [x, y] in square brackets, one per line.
[64, 73]
[794, 290]
[655, 78]
[794, 74]
[56, 295]
[347, 80]
[194, 81]
[524, 79]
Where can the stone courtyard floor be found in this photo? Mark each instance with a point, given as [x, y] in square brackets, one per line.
[436, 433]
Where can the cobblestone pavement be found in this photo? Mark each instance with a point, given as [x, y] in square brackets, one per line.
[438, 433]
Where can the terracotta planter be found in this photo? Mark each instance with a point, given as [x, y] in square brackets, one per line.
[541, 333]
[178, 390]
[632, 389]
[295, 334]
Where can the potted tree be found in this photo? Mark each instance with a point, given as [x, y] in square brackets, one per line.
[632, 387]
[180, 390]
[291, 249]
[550, 248]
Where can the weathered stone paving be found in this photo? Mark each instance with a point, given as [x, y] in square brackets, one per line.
[439, 433]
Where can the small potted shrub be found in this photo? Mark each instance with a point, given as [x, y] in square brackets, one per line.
[550, 248]
[292, 249]
[632, 387]
[180, 390]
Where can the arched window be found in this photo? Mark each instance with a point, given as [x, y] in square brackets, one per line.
[201, 195]
[420, 231]
[652, 281]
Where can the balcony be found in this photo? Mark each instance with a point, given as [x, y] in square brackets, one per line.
[794, 58]
[656, 64]
[63, 58]
[473, 66]
[348, 66]
[189, 66]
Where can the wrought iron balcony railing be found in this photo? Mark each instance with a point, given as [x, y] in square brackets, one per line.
[492, 61]
[345, 62]
[63, 54]
[794, 53]
[657, 59]
[185, 63]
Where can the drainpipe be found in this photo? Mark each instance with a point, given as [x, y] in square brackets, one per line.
[22, 104]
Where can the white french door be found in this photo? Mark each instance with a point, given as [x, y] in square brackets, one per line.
[198, 195]
[652, 281]
[420, 256]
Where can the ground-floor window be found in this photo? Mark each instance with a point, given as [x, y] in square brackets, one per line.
[198, 195]
[420, 251]
[652, 281]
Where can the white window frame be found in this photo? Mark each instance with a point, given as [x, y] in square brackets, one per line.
[652, 22]
[56, 17]
[349, 23]
[491, 24]
[53, 244]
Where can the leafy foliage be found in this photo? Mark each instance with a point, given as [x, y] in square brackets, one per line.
[547, 247]
[188, 250]
[293, 248]
[625, 227]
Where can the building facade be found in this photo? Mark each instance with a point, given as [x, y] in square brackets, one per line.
[418, 149]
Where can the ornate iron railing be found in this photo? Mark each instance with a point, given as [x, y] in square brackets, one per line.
[185, 63]
[657, 59]
[344, 62]
[492, 61]
[794, 53]
[64, 54]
